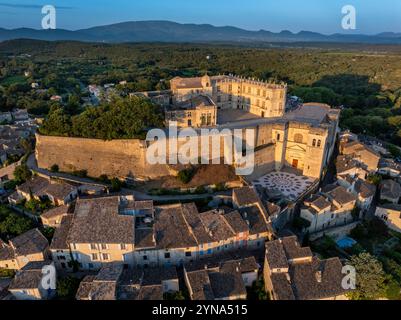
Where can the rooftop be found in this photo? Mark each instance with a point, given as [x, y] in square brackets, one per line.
[313, 113]
[34, 186]
[245, 196]
[171, 228]
[30, 277]
[341, 195]
[56, 212]
[60, 236]
[217, 227]
[31, 242]
[98, 221]
[308, 279]
[391, 189]
[193, 103]
[220, 282]
[59, 190]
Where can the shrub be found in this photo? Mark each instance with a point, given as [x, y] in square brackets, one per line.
[186, 175]
[81, 173]
[116, 185]
[54, 168]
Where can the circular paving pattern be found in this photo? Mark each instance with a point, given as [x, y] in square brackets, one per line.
[289, 184]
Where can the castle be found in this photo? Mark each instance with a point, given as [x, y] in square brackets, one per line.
[303, 139]
[263, 99]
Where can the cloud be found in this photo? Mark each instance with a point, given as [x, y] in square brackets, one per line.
[29, 6]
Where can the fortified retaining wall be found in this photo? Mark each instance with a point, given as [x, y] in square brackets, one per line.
[126, 158]
[116, 158]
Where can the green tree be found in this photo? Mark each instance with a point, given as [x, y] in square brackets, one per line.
[186, 175]
[14, 225]
[54, 168]
[67, 288]
[179, 296]
[394, 150]
[370, 277]
[257, 291]
[375, 179]
[22, 174]
[116, 185]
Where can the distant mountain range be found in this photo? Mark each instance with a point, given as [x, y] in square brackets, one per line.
[166, 31]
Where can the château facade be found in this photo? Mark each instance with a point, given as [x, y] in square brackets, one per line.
[264, 99]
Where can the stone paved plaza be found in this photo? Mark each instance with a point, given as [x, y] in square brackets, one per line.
[289, 184]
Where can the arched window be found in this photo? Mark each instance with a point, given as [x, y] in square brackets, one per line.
[298, 138]
[314, 143]
[319, 143]
[278, 137]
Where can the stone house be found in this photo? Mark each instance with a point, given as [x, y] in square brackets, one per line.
[31, 246]
[28, 285]
[293, 273]
[391, 215]
[390, 191]
[332, 208]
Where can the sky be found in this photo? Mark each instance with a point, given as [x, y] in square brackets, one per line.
[324, 16]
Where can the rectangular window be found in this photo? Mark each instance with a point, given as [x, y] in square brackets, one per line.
[145, 258]
[95, 257]
[278, 137]
[93, 246]
[105, 256]
[104, 246]
[167, 255]
[123, 246]
[188, 254]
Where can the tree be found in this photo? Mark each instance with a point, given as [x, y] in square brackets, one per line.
[14, 225]
[394, 121]
[174, 296]
[394, 150]
[370, 277]
[54, 168]
[116, 185]
[375, 179]
[186, 175]
[393, 290]
[257, 291]
[121, 118]
[67, 288]
[22, 174]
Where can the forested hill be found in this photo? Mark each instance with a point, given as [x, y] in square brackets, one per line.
[166, 31]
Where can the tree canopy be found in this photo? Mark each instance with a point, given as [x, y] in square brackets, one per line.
[121, 118]
[370, 277]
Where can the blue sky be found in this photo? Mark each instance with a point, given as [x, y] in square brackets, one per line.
[323, 16]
